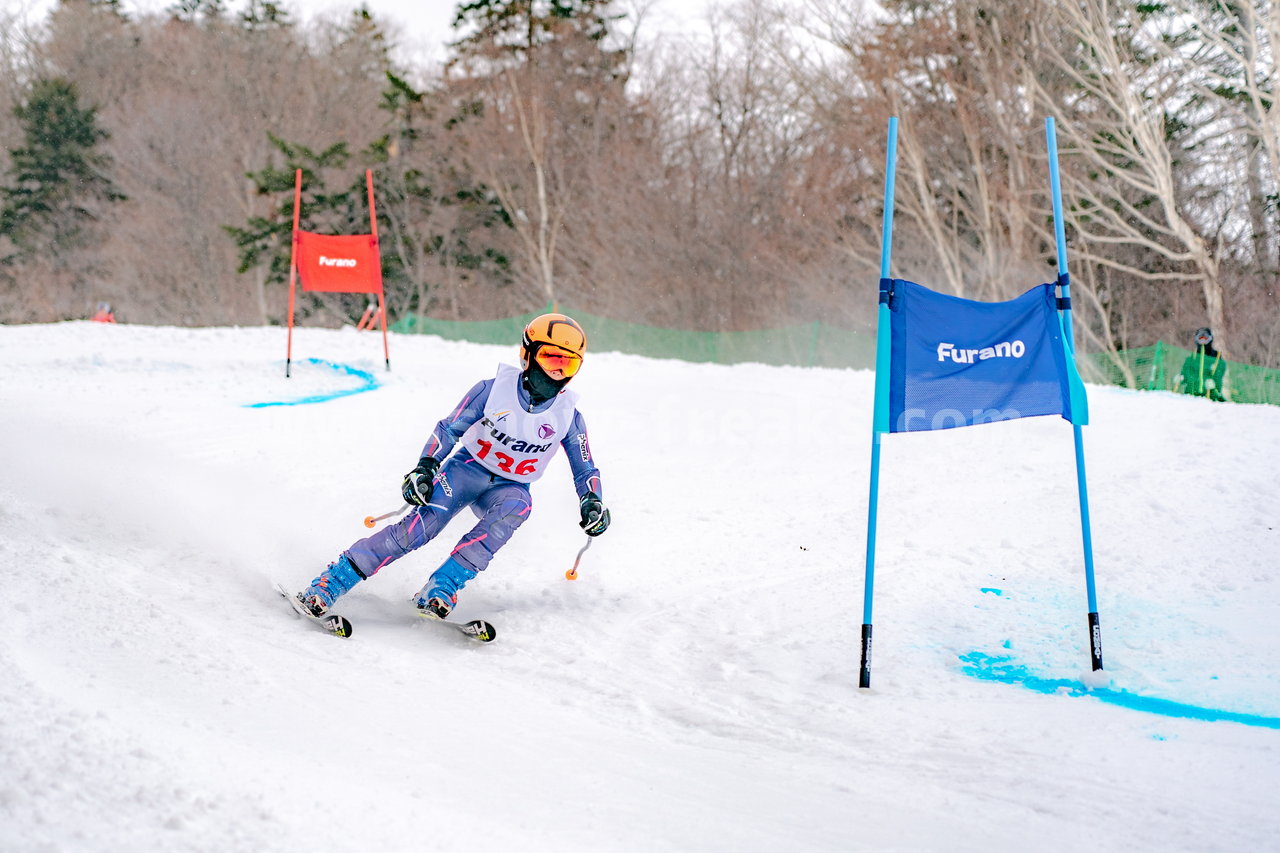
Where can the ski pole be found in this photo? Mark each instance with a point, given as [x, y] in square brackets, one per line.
[371, 520]
[572, 574]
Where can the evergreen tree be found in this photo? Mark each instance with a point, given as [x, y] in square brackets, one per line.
[441, 228]
[265, 15]
[57, 176]
[503, 32]
[195, 10]
[268, 239]
[524, 24]
[434, 221]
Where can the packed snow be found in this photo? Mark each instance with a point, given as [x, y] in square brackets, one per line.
[695, 689]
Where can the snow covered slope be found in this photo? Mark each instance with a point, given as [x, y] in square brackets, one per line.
[694, 690]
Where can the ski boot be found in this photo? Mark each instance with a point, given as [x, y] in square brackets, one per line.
[437, 598]
[339, 577]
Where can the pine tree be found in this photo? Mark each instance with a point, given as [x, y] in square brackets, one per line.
[499, 33]
[441, 228]
[267, 239]
[57, 176]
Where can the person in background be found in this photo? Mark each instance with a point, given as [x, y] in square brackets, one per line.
[484, 456]
[104, 314]
[1204, 373]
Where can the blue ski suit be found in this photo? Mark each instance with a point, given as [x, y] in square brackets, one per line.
[501, 505]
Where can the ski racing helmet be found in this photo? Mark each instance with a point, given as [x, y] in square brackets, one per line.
[551, 342]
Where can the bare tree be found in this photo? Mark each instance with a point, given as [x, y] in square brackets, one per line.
[1229, 51]
[971, 151]
[1120, 180]
[1232, 48]
[731, 183]
[190, 101]
[536, 82]
[538, 192]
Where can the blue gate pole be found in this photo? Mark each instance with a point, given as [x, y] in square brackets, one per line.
[1086, 533]
[880, 416]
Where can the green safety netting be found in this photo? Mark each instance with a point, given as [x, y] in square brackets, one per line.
[810, 345]
[819, 345]
[1156, 368]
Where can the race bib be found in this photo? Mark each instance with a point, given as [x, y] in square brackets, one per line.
[514, 443]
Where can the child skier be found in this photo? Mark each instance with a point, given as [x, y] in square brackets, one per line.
[508, 428]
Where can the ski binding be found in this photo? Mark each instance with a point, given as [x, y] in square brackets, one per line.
[339, 626]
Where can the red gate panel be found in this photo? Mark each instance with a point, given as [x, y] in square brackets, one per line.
[345, 263]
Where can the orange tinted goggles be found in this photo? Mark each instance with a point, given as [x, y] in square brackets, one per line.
[553, 358]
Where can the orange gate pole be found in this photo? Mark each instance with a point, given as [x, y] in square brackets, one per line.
[382, 308]
[293, 265]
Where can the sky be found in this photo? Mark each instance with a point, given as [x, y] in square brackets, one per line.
[695, 689]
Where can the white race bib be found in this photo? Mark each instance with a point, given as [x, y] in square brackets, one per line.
[511, 442]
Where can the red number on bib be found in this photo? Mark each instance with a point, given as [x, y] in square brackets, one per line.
[525, 468]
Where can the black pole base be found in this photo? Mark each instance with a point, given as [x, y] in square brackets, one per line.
[287, 362]
[864, 673]
[1095, 641]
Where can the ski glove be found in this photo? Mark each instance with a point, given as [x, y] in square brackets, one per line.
[420, 482]
[595, 518]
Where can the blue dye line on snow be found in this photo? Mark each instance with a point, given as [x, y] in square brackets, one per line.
[992, 590]
[1002, 669]
[369, 383]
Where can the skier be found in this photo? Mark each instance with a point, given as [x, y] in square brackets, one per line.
[508, 428]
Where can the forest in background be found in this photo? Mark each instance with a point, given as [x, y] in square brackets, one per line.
[727, 181]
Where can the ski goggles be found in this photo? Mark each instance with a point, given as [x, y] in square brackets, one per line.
[551, 357]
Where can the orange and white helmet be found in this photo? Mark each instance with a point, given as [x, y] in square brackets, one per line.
[554, 342]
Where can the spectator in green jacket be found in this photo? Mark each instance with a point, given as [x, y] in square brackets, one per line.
[1204, 373]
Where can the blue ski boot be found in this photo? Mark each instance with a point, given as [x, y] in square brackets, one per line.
[339, 577]
[436, 599]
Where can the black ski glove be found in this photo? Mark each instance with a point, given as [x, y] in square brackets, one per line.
[595, 518]
[419, 483]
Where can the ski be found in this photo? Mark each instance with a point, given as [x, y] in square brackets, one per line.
[477, 629]
[332, 623]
